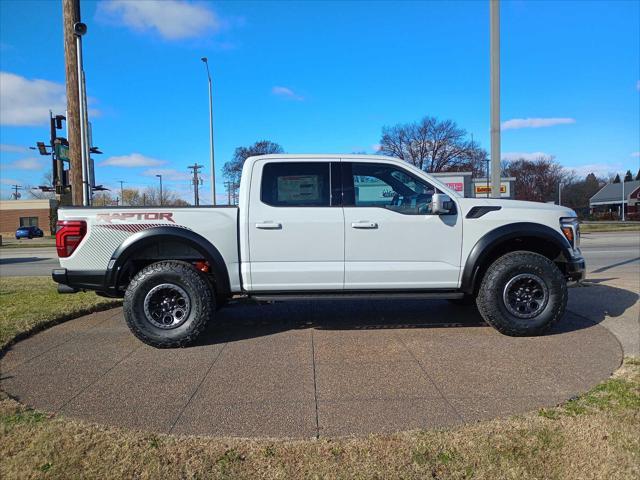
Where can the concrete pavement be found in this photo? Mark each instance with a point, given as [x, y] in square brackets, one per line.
[308, 369]
[610, 296]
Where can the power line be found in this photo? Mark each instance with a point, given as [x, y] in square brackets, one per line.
[197, 181]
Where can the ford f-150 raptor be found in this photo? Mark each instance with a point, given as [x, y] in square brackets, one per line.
[324, 225]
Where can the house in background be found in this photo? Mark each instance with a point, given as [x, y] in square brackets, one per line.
[608, 200]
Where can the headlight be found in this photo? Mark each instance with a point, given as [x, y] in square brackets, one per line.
[571, 229]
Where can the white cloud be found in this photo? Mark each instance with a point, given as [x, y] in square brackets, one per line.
[131, 161]
[635, 154]
[286, 93]
[4, 147]
[171, 19]
[27, 163]
[510, 156]
[535, 122]
[10, 181]
[599, 169]
[27, 102]
[170, 174]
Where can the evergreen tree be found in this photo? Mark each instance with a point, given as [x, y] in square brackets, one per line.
[638, 175]
[617, 179]
[628, 177]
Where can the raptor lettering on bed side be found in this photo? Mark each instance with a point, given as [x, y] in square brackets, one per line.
[126, 216]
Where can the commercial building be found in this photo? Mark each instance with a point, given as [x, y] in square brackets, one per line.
[467, 186]
[22, 213]
[609, 199]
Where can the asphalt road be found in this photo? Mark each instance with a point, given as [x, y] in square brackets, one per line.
[602, 251]
[607, 251]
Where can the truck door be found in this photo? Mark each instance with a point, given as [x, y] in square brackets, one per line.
[392, 241]
[296, 226]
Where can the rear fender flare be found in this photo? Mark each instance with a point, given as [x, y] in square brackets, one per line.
[142, 239]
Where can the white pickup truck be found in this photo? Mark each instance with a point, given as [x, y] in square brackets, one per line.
[324, 225]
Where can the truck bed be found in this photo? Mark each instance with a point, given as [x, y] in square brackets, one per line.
[110, 227]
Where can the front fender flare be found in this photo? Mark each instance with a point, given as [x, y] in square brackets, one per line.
[494, 238]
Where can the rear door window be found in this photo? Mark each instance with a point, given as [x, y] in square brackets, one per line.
[296, 184]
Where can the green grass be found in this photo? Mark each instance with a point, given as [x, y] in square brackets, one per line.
[29, 304]
[611, 227]
[11, 242]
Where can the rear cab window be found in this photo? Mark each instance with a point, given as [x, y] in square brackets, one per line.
[296, 184]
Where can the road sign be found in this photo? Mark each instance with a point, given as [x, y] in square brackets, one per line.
[62, 152]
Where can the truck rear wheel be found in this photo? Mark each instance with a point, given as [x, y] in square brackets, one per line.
[522, 293]
[168, 304]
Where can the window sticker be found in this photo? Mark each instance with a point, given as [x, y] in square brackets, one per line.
[293, 188]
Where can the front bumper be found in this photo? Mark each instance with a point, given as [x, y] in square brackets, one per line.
[575, 269]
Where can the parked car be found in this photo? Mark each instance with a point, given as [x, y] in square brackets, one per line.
[324, 226]
[28, 232]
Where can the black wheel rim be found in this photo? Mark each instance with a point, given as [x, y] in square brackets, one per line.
[167, 306]
[525, 295]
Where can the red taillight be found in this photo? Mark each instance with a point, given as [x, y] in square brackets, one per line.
[69, 235]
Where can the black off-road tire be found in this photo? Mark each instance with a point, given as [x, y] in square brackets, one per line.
[491, 303]
[185, 276]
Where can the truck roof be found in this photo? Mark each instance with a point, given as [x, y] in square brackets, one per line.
[322, 156]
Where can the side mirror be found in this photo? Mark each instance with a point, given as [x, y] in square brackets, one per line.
[440, 204]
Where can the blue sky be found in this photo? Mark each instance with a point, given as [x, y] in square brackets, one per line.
[319, 77]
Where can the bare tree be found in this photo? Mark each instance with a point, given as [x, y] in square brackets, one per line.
[151, 196]
[47, 182]
[434, 146]
[576, 194]
[103, 199]
[233, 168]
[537, 180]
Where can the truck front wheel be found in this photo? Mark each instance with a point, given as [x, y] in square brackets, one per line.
[522, 293]
[168, 304]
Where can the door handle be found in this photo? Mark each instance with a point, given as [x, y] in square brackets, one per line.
[364, 224]
[269, 225]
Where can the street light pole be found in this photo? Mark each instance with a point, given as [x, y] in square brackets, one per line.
[160, 177]
[622, 206]
[213, 168]
[494, 11]
[560, 193]
[79, 30]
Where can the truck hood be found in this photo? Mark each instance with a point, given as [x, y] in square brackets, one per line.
[518, 206]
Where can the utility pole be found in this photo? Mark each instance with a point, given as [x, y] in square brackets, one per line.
[494, 11]
[15, 193]
[71, 16]
[121, 190]
[196, 183]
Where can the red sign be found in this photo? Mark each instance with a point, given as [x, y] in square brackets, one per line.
[457, 186]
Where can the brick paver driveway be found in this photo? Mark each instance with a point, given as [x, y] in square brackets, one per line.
[306, 369]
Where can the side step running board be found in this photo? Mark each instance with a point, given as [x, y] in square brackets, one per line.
[445, 295]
